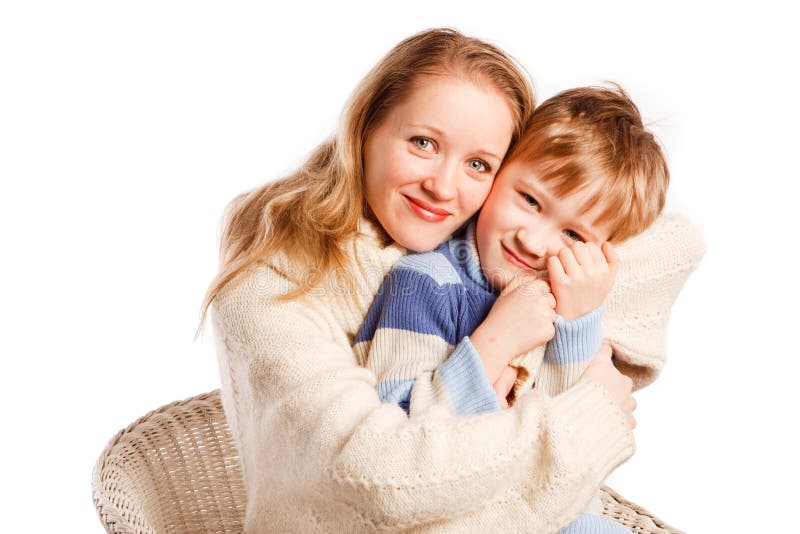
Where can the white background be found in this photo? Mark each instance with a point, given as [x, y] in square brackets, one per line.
[126, 127]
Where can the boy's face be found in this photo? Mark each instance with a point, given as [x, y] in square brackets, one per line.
[523, 223]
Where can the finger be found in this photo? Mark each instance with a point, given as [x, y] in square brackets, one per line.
[541, 287]
[568, 261]
[583, 254]
[629, 405]
[509, 373]
[611, 257]
[597, 254]
[550, 300]
[526, 281]
[603, 356]
[520, 278]
[548, 314]
[498, 390]
[632, 421]
[506, 381]
[628, 383]
[555, 270]
[551, 328]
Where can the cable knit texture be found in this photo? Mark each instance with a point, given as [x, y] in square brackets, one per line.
[653, 268]
[410, 340]
[320, 452]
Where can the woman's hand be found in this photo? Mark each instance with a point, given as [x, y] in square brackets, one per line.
[602, 370]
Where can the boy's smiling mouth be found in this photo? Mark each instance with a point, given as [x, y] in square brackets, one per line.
[516, 260]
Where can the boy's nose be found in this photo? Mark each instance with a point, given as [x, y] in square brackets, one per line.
[533, 242]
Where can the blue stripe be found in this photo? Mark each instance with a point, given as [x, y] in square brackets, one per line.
[367, 330]
[577, 340]
[462, 251]
[431, 264]
[418, 304]
[464, 377]
[396, 391]
[595, 524]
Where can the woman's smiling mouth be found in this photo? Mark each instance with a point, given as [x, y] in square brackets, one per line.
[426, 211]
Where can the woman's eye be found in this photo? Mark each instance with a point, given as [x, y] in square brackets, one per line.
[478, 165]
[573, 235]
[423, 142]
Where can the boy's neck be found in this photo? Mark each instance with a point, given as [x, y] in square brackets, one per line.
[464, 248]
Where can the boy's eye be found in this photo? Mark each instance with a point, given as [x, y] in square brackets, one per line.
[573, 235]
[423, 142]
[478, 165]
[530, 200]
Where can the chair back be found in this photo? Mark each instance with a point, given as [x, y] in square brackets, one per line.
[174, 470]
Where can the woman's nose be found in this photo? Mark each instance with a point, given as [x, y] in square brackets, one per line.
[442, 181]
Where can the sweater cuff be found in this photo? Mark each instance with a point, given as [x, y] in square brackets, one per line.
[466, 382]
[577, 340]
[599, 426]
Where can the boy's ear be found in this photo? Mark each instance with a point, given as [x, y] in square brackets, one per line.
[653, 267]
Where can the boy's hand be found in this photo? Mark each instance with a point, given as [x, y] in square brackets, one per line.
[522, 318]
[581, 277]
[504, 384]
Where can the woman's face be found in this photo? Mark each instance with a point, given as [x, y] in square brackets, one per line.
[429, 164]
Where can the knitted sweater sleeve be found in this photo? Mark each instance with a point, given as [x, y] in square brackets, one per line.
[566, 356]
[309, 424]
[408, 339]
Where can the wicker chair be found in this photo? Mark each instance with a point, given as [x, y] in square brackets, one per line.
[177, 470]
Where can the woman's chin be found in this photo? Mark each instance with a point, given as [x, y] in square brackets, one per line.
[419, 241]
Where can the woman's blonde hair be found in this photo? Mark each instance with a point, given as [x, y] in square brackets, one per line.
[594, 138]
[310, 214]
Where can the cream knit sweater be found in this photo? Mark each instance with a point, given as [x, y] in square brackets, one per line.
[321, 453]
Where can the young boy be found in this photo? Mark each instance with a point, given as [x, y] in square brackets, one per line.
[446, 323]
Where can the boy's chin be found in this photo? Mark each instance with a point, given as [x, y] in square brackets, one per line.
[539, 275]
[501, 280]
[542, 275]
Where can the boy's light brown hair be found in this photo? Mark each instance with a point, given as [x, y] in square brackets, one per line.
[588, 134]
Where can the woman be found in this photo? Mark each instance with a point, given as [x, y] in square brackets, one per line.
[302, 259]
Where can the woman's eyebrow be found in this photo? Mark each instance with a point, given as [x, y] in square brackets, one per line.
[433, 129]
[488, 155]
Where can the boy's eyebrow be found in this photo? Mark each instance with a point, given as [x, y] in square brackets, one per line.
[440, 133]
[585, 232]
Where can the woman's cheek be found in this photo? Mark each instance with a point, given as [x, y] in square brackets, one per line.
[478, 196]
